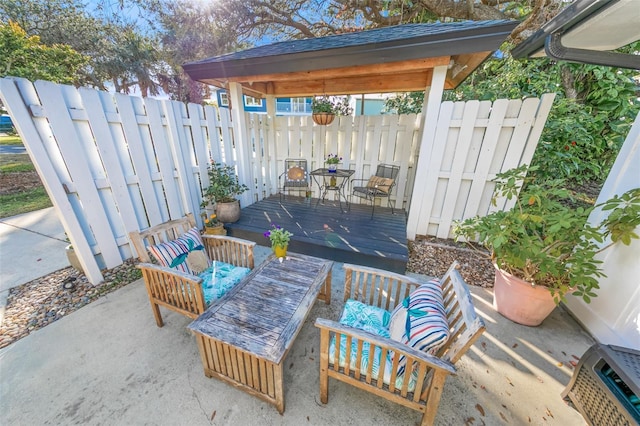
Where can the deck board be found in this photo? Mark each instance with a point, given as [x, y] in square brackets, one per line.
[324, 231]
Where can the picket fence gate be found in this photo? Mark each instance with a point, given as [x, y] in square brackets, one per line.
[113, 163]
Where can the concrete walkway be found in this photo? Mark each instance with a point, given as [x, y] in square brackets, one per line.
[32, 245]
[108, 363]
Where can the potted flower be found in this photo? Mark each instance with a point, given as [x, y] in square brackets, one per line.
[224, 186]
[543, 248]
[279, 238]
[325, 108]
[212, 226]
[332, 162]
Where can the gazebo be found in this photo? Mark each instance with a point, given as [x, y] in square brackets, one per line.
[412, 57]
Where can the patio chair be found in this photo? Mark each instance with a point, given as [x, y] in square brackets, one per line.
[374, 352]
[295, 176]
[379, 185]
[173, 282]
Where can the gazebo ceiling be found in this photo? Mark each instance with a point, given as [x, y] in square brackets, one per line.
[390, 59]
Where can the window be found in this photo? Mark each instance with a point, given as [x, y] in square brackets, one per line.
[224, 99]
[298, 104]
[252, 102]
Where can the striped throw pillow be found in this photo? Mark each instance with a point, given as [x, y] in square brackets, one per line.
[173, 254]
[420, 321]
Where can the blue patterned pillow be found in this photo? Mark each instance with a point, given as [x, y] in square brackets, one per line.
[365, 317]
[420, 321]
[173, 254]
[219, 278]
[374, 320]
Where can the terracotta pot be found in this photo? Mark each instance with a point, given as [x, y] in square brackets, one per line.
[519, 301]
[279, 251]
[323, 118]
[228, 212]
[215, 230]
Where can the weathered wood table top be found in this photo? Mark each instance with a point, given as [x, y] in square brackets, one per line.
[263, 314]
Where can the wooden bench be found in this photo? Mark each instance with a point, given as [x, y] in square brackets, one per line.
[174, 289]
[386, 289]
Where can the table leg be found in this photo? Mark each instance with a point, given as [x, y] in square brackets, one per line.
[327, 289]
[279, 387]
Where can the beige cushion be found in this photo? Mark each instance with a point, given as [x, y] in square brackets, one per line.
[380, 183]
[296, 173]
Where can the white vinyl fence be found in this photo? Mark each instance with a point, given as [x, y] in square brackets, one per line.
[113, 163]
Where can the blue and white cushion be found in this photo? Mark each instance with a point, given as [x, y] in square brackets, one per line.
[219, 278]
[374, 320]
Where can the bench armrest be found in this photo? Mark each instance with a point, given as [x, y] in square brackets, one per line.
[168, 271]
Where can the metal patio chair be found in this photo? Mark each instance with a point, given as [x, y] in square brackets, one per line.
[379, 185]
[295, 176]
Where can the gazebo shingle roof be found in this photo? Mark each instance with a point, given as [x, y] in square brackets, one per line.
[405, 50]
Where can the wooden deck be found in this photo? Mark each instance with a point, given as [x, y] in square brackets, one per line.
[324, 231]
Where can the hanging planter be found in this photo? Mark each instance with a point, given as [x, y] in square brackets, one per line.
[324, 109]
[323, 118]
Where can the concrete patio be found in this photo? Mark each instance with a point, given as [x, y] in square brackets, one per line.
[108, 363]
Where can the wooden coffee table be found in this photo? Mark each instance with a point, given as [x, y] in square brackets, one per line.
[244, 338]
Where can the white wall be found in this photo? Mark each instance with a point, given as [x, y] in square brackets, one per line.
[614, 316]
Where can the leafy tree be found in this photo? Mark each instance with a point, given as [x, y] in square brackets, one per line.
[132, 61]
[287, 19]
[24, 56]
[117, 52]
[187, 31]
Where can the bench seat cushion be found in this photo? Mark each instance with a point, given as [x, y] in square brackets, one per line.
[219, 278]
[374, 320]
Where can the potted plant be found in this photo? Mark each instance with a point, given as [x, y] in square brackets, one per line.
[224, 186]
[543, 248]
[279, 238]
[212, 226]
[332, 162]
[325, 108]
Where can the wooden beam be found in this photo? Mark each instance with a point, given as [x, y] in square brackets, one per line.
[383, 83]
[358, 70]
[463, 66]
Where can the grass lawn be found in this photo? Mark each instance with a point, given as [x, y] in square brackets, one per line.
[10, 140]
[23, 202]
[20, 190]
[15, 163]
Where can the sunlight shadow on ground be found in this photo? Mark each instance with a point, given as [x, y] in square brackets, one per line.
[516, 373]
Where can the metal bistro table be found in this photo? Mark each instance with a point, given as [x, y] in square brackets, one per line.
[332, 181]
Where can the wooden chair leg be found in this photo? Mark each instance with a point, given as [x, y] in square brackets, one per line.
[324, 366]
[156, 314]
[433, 399]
